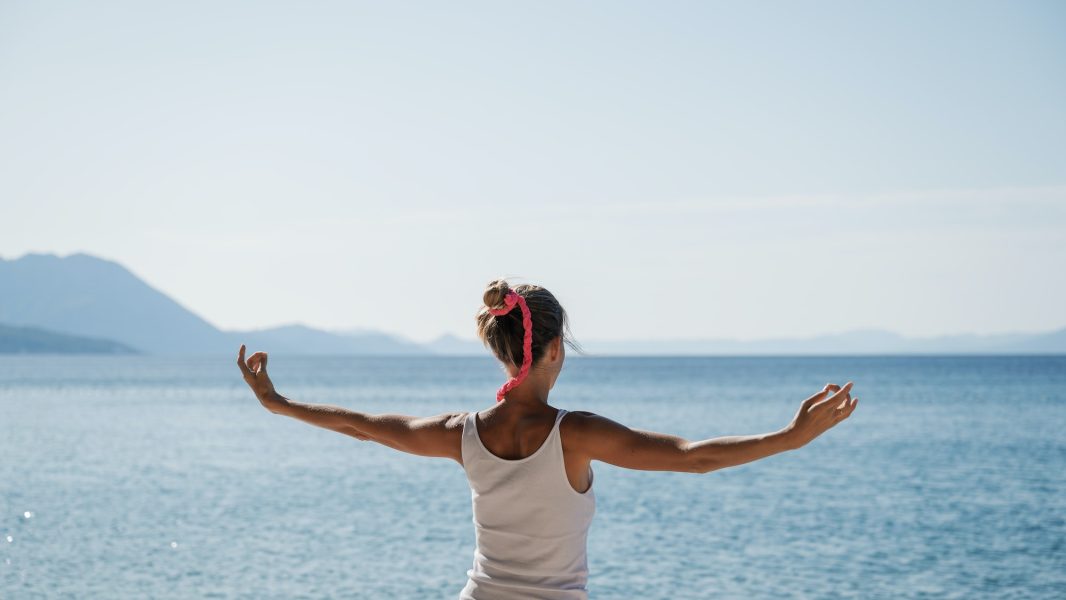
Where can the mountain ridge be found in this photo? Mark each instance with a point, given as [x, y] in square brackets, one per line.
[34, 340]
[91, 298]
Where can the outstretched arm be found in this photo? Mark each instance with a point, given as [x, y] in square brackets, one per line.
[425, 436]
[602, 439]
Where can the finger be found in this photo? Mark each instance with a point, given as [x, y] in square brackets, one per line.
[831, 388]
[816, 397]
[241, 363]
[843, 396]
[836, 398]
[258, 362]
[845, 411]
[854, 403]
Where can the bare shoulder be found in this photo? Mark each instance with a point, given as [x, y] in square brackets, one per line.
[447, 426]
[585, 429]
[450, 426]
[584, 421]
[451, 423]
[600, 438]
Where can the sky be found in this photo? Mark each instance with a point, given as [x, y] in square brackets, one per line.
[668, 170]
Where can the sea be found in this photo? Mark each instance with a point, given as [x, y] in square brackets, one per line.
[163, 477]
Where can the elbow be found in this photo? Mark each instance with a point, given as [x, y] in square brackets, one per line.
[707, 467]
[358, 434]
[701, 464]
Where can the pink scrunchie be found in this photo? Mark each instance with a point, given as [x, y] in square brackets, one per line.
[509, 301]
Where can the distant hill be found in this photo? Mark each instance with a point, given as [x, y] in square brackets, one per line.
[99, 301]
[89, 296]
[82, 295]
[849, 343]
[1050, 343]
[33, 340]
[299, 339]
[456, 346]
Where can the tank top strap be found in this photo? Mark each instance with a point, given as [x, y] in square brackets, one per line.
[554, 442]
[559, 417]
[470, 445]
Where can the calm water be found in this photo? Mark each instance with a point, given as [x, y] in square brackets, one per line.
[152, 477]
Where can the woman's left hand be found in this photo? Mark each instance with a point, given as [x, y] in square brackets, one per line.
[255, 375]
[821, 411]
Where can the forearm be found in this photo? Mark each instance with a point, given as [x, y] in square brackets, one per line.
[336, 418]
[729, 451]
[425, 436]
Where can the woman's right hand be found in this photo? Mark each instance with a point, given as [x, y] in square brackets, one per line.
[822, 411]
[255, 375]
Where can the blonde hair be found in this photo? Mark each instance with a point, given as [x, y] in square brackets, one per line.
[503, 334]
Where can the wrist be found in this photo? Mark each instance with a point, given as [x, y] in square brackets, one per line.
[792, 437]
[272, 400]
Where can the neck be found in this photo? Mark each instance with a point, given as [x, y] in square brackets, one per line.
[531, 393]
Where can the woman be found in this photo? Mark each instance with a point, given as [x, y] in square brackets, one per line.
[528, 463]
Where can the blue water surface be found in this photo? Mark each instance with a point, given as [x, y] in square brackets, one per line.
[156, 477]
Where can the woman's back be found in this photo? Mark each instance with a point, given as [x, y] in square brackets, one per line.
[530, 523]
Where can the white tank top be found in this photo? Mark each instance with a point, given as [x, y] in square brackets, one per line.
[531, 525]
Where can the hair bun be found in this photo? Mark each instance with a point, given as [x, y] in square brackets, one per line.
[495, 292]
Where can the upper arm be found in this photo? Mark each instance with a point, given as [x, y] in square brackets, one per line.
[608, 441]
[437, 436]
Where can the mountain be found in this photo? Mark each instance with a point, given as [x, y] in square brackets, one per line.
[1049, 343]
[81, 296]
[86, 296]
[33, 340]
[299, 339]
[849, 343]
[456, 346]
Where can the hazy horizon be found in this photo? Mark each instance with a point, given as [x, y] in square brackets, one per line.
[866, 338]
[697, 171]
